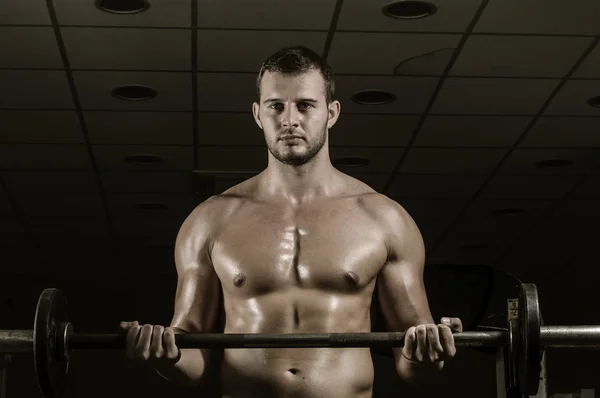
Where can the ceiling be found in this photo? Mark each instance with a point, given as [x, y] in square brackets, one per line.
[484, 91]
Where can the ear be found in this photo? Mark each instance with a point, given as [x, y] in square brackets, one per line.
[255, 112]
[334, 109]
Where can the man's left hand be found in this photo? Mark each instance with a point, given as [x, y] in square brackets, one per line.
[431, 343]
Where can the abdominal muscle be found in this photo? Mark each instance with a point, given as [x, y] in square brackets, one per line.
[297, 372]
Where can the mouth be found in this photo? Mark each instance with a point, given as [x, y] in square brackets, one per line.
[290, 138]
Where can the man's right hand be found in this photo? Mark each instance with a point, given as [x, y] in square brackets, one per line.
[154, 343]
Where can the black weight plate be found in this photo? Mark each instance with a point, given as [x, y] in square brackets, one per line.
[529, 354]
[51, 371]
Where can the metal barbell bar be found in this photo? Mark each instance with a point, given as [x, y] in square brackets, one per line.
[52, 339]
[19, 341]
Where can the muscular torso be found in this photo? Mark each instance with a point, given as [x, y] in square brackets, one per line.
[308, 268]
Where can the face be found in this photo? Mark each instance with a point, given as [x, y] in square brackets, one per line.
[294, 115]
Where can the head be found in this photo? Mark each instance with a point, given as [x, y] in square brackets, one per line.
[295, 89]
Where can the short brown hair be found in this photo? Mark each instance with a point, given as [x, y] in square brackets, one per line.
[296, 60]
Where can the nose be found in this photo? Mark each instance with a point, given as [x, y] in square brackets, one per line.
[290, 117]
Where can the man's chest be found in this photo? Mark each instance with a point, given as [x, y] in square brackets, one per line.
[336, 247]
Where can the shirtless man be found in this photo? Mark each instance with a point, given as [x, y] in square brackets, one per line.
[298, 248]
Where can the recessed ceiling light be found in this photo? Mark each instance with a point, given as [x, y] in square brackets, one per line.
[151, 206]
[373, 97]
[143, 158]
[555, 163]
[351, 161]
[409, 9]
[594, 101]
[134, 92]
[123, 6]
[509, 211]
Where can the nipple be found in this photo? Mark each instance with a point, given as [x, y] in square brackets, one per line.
[351, 277]
[239, 280]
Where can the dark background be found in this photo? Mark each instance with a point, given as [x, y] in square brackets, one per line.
[492, 144]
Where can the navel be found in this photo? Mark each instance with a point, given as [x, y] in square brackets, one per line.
[239, 280]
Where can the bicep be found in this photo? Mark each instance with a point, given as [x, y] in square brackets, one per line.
[197, 298]
[400, 287]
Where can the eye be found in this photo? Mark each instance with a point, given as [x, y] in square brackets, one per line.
[275, 106]
[304, 105]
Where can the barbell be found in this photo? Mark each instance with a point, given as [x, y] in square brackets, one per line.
[52, 340]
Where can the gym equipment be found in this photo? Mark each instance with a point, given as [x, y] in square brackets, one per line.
[52, 340]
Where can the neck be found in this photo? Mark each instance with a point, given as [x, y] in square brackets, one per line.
[302, 183]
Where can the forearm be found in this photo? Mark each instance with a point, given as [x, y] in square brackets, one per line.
[190, 370]
[414, 372]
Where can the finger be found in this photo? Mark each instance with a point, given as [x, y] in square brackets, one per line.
[455, 324]
[171, 349]
[436, 351]
[410, 343]
[125, 326]
[447, 341]
[156, 345]
[142, 348]
[421, 351]
[131, 341]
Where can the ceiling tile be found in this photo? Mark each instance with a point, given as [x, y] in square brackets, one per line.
[589, 189]
[367, 15]
[412, 93]
[411, 54]
[141, 128]
[146, 182]
[529, 187]
[381, 160]
[582, 209]
[570, 226]
[434, 186]
[162, 13]
[564, 132]
[67, 206]
[229, 129]
[493, 96]
[452, 160]
[50, 182]
[519, 56]
[432, 208]
[124, 206]
[541, 17]
[499, 218]
[88, 233]
[40, 156]
[471, 131]
[147, 231]
[521, 161]
[174, 90]
[372, 130]
[30, 47]
[111, 157]
[140, 49]
[32, 12]
[590, 68]
[572, 99]
[467, 250]
[232, 158]
[40, 89]
[266, 14]
[228, 50]
[20, 127]
[12, 235]
[226, 91]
